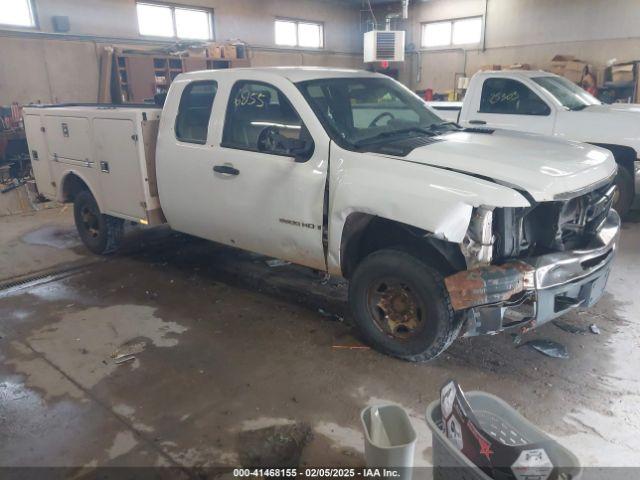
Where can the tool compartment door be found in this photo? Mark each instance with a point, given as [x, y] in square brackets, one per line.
[40, 162]
[117, 159]
[69, 139]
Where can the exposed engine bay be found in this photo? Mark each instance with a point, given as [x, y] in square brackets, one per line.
[524, 232]
[529, 265]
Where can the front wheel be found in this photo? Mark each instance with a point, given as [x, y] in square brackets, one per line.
[102, 234]
[402, 307]
[624, 195]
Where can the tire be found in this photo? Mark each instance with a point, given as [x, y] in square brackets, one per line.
[626, 192]
[102, 234]
[380, 310]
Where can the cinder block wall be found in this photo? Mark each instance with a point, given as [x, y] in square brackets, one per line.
[39, 65]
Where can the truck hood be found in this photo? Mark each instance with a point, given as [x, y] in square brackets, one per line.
[614, 108]
[545, 167]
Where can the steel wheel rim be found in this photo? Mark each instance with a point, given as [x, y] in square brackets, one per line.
[90, 222]
[396, 310]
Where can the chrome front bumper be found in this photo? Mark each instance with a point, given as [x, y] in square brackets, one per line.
[530, 292]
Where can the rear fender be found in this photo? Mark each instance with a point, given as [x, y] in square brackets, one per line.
[66, 176]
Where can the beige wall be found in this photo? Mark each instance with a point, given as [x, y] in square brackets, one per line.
[525, 31]
[41, 66]
[37, 66]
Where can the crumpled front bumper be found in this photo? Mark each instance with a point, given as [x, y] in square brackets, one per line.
[529, 292]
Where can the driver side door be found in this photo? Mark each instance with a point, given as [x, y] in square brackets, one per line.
[510, 104]
[263, 199]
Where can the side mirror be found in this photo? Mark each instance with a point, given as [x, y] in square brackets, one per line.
[271, 140]
[300, 150]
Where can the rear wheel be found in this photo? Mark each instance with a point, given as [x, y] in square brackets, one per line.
[102, 234]
[624, 195]
[402, 306]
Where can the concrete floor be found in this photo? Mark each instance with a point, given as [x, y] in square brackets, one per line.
[224, 345]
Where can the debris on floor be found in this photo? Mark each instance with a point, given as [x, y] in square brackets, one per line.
[275, 262]
[569, 327]
[334, 316]
[280, 445]
[128, 350]
[548, 348]
[594, 329]
[123, 359]
[350, 347]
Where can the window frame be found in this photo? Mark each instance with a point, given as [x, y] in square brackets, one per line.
[297, 22]
[452, 22]
[232, 91]
[542, 100]
[186, 90]
[173, 7]
[34, 19]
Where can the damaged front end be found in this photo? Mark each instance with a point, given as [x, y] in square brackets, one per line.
[526, 266]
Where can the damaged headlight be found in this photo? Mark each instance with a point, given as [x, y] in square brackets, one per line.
[477, 246]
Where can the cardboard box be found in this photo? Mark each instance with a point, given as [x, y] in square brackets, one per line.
[622, 73]
[229, 52]
[569, 67]
[489, 68]
[214, 51]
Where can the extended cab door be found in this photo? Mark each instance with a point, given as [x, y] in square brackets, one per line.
[230, 180]
[502, 102]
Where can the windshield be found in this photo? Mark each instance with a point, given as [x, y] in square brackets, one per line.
[567, 93]
[363, 111]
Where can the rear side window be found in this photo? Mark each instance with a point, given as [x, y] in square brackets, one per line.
[507, 96]
[194, 112]
[254, 109]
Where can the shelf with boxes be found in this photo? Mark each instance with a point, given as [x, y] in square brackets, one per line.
[138, 75]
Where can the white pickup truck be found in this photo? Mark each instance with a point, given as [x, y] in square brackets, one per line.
[544, 103]
[442, 231]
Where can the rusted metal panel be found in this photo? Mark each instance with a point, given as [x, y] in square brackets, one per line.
[489, 284]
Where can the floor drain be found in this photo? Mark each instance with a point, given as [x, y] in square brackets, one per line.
[38, 278]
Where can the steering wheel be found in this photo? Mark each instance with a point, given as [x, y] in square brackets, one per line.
[270, 140]
[375, 121]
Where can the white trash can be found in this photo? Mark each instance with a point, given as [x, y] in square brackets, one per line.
[389, 438]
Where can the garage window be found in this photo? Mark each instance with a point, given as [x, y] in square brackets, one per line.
[452, 33]
[17, 13]
[158, 20]
[192, 122]
[295, 33]
[506, 96]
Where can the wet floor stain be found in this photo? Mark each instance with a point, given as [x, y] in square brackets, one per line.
[91, 342]
[123, 442]
[53, 236]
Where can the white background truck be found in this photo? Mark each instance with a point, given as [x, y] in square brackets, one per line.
[544, 103]
[441, 231]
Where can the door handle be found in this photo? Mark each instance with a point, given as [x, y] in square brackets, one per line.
[477, 122]
[226, 169]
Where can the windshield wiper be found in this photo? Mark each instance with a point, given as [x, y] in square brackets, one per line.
[577, 108]
[445, 124]
[393, 133]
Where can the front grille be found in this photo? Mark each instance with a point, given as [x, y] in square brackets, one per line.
[551, 226]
